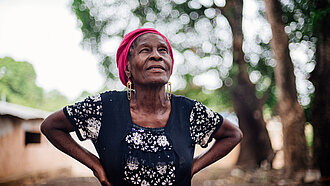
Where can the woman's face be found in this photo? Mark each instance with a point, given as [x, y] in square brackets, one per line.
[149, 62]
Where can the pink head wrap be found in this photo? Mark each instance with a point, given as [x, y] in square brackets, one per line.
[125, 45]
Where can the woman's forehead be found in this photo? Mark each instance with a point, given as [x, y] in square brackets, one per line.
[150, 37]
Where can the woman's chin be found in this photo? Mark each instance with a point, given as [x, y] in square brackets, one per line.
[156, 82]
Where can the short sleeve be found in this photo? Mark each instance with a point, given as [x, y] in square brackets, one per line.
[203, 123]
[86, 117]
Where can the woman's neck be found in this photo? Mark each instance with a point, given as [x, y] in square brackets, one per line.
[150, 99]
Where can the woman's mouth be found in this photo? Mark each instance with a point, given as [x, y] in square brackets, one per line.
[156, 68]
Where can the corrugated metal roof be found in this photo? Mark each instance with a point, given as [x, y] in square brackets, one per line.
[21, 111]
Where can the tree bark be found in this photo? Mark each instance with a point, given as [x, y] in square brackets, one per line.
[321, 102]
[255, 146]
[291, 113]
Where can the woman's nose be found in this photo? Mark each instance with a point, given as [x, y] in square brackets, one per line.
[155, 55]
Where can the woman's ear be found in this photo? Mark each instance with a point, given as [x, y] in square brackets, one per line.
[128, 70]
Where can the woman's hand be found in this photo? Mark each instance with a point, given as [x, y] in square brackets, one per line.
[101, 176]
[57, 128]
[226, 138]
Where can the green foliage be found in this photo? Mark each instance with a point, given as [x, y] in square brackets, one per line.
[304, 20]
[305, 17]
[217, 102]
[89, 25]
[309, 135]
[82, 96]
[53, 101]
[198, 32]
[18, 85]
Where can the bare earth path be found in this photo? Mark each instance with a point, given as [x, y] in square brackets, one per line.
[207, 177]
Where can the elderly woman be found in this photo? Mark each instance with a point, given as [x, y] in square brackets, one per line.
[145, 136]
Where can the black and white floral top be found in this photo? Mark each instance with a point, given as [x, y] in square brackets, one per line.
[148, 157]
[148, 154]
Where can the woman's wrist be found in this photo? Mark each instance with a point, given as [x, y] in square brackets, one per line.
[194, 168]
[96, 165]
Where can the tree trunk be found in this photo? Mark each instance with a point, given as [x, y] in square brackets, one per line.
[255, 146]
[321, 102]
[291, 113]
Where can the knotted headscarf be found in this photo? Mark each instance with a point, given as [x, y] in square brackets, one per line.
[123, 50]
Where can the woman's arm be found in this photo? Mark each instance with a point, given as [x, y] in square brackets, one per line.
[226, 138]
[57, 128]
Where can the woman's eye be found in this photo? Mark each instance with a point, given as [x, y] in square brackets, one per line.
[163, 50]
[144, 50]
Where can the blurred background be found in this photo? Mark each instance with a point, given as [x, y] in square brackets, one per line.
[263, 64]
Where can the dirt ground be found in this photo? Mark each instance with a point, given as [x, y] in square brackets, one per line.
[207, 177]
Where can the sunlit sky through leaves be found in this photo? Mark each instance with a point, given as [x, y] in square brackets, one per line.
[46, 34]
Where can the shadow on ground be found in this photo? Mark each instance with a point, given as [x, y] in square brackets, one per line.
[207, 177]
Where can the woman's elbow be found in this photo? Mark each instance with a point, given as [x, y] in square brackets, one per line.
[45, 127]
[52, 122]
[235, 135]
[56, 130]
[238, 135]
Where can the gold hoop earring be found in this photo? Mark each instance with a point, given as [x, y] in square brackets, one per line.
[168, 90]
[129, 89]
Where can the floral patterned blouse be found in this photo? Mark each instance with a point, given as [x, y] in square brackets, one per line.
[148, 154]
